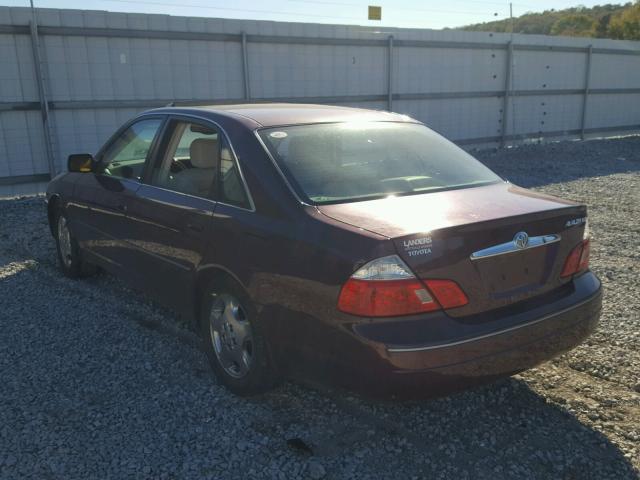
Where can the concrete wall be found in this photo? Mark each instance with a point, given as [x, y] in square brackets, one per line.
[100, 68]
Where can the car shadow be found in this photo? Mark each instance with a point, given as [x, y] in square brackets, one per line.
[535, 165]
[501, 430]
[142, 381]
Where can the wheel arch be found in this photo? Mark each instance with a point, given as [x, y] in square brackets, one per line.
[207, 276]
[52, 205]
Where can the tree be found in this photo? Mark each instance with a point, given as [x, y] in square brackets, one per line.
[626, 24]
[602, 21]
[574, 25]
[602, 28]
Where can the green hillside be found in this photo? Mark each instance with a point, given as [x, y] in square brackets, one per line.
[601, 21]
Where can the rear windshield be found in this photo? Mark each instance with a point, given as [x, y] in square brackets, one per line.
[343, 162]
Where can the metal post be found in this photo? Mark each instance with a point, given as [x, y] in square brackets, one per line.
[511, 18]
[245, 67]
[507, 93]
[44, 104]
[587, 84]
[390, 75]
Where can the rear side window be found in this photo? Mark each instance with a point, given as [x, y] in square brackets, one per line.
[126, 155]
[190, 161]
[198, 161]
[232, 190]
[342, 162]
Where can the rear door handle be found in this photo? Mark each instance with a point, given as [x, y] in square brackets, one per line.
[121, 208]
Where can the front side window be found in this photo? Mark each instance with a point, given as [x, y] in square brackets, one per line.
[126, 155]
[342, 162]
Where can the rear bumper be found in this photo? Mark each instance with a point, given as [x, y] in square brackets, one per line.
[516, 341]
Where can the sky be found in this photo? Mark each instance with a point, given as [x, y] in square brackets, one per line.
[395, 13]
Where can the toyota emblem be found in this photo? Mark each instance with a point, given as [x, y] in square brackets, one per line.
[521, 240]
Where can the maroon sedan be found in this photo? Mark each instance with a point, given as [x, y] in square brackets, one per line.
[332, 244]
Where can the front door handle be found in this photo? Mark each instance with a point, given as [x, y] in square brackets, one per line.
[121, 208]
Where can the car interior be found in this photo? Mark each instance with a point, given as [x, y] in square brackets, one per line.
[196, 175]
[194, 157]
[328, 168]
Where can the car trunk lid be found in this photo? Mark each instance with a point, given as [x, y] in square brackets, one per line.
[467, 235]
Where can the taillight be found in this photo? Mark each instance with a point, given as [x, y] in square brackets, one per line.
[385, 287]
[584, 256]
[578, 259]
[448, 293]
[385, 298]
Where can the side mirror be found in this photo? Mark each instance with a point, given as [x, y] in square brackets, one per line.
[80, 162]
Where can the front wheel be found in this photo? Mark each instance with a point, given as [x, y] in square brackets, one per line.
[234, 341]
[69, 254]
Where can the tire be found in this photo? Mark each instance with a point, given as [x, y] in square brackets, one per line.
[234, 341]
[69, 252]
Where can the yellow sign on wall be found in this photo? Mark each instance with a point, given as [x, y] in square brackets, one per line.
[375, 13]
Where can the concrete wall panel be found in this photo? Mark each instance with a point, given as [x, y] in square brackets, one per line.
[536, 70]
[542, 114]
[21, 144]
[613, 110]
[280, 70]
[457, 119]
[422, 70]
[615, 71]
[546, 81]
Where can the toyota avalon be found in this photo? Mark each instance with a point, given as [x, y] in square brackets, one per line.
[332, 244]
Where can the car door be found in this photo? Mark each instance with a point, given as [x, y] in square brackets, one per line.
[171, 213]
[107, 193]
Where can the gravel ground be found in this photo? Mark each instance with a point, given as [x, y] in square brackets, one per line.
[99, 382]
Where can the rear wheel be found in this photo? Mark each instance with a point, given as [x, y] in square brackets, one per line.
[234, 342]
[69, 253]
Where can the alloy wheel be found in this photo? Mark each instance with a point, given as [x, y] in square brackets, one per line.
[231, 335]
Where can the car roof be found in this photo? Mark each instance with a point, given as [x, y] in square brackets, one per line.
[277, 114]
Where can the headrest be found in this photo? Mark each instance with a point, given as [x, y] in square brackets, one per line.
[204, 153]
